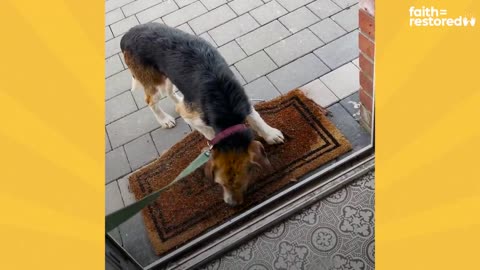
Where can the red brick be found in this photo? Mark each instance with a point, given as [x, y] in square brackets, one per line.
[368, 6]
[366, 83]
[366, 100]
[366, 23]
[366, 66]
[366, 46]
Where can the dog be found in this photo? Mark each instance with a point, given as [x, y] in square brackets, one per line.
[163, 60]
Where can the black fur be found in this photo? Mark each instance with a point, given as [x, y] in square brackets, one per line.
[199, 72]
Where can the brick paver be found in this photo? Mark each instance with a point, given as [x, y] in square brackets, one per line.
[271, 46]
[299, 19]
[268, 12]
[262, 37]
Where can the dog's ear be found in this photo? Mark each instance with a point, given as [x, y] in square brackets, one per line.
[258, 157]
[209, 169]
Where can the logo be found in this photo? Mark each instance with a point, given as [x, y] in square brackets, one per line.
[430, 16]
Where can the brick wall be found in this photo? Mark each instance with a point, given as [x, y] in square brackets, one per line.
[366, 40]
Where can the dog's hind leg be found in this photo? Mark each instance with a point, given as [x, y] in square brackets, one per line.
[171, 91]
[269, 134]
[135, 84]
[165, 120]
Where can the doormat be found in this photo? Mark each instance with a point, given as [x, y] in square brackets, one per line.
[195, 204]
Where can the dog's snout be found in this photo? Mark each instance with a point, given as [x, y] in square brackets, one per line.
[230, 200]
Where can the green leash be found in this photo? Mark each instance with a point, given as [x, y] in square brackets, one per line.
[118, 217]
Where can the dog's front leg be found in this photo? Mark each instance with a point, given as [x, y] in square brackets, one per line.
[165, 120]
[269, 134]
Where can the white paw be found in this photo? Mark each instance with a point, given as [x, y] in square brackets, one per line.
[167, 121]
[274, 136]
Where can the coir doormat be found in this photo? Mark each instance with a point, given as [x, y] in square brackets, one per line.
[196, 204]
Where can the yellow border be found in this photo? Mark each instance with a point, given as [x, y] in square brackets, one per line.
[52, 134]
[427, 139]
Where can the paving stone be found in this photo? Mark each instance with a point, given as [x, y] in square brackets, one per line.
[141, 151]
[352, 105]
[182, 3]
[211, 4]
[113, 198]
[348, 18]
[186, 28]
[124, 25]
[291, 5]
[268, 12]
[343, 81]
[166, 138]
[123, 60]
[242, 6]
[139, 97]
[297, 73]
[118, 83]
[112, 46]
[119, 106]
[356, 62]
[139, 5]
[327, 30]
[262, 37]
[113, 65]
[156, 12]
[108, 33]
[261, 88]
[131, 126]
[208, 38]
[324, 8]
[113, 202]
[113, 16]
[233, 29]
[293, 47]
[357, 136]
[184, 14]
[232, 52]
[255, 66]
[345, 3]
[108, 147]
[299, 19]
[133, 232]
[212, 19]
[319, 92]
[159, 20]
[116, 164]
[339, 51]
[237, 74]
[113, 4]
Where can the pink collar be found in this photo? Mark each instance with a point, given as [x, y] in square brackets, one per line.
[227, 132]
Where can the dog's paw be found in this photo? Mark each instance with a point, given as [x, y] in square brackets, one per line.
[274, 136]
[167, 121]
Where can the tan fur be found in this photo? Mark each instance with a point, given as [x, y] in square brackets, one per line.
[149, 77]
[232, 170]
[187, 112]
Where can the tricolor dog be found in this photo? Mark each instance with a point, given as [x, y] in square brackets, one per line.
[163, 59]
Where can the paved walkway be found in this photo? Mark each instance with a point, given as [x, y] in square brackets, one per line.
[272, 46]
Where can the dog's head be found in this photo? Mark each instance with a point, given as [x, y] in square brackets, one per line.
[233, 170]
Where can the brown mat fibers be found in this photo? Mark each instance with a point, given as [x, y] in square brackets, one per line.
[195, 204]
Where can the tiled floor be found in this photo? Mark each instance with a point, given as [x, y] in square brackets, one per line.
[272, 46]
[334, 233]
